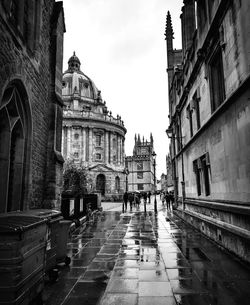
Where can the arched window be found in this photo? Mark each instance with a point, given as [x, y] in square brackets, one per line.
[14, 149]
[100, 183]
[117, 183]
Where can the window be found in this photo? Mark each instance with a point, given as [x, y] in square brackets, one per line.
[196, 106]
[140, 187]
[139, 175]
[76, 136]
[217, 87]
[114, 158]
[98, 140]
[140, 165]
[114, 144]
[201, 14]
[15, 133]
[117, 183]
[202, 172]
[76, 155]
[25, 18]
[98, 156]
[190, 118]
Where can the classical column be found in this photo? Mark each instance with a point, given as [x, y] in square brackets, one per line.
[69, 135]
[106, 146]
[62, 149]
[87, 143]
[90, 144]
[109, 150]
[84, 144]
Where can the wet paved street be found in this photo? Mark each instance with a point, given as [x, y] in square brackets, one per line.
[137, 258]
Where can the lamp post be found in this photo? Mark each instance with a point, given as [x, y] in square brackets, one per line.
[172, 136]
[126, 172]
[154, 165]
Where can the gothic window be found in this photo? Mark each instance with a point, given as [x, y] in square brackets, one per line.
[190, 118]
[139, 175]
[202, 173]
[140, 165]
[14, 148]
[217, 86]
[201, 14]
[25, 17]
[117, 183]
[196, 101]
[140, 187]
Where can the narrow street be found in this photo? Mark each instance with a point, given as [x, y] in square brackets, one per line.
[137, 258]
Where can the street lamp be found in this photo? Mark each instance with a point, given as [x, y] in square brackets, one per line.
[172, 136]
[154, 165]
[126, 172]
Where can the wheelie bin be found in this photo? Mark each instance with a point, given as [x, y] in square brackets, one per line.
[53, 218]
[62, 240]
[23, 240]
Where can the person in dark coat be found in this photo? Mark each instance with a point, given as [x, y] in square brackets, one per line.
[167, 197]
[125, 200]
[131, 199]
[149, 197]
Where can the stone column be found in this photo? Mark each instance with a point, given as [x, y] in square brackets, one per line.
[87, 143]
[83, 144]
[90, 144]
[106, 146]
[69, 135]
[63, 135]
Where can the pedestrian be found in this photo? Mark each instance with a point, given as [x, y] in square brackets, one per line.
[125, 200]
[162, 198]
[167, 198]
[89, 212]
[149, 197]
[171, 197]
[145, 196]
[131, 199]
[137, 201]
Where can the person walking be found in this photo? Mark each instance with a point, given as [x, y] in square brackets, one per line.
[162, 198]
[131, 199]
[125, 200]
[167, 197]
[145, 196]
[149, 197]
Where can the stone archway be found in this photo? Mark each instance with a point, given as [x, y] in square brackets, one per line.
[101, 183]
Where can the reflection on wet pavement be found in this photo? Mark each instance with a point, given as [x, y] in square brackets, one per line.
[145, 258]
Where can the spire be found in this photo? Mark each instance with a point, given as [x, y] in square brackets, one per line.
[169, 33]
[151, 138]
[139, 138]
[135, 139]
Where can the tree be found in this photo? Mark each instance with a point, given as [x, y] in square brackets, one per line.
[75, 179]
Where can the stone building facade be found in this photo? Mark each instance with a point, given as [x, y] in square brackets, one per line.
[140, 166]
[209, 89]
[31, 53]
[92, 138]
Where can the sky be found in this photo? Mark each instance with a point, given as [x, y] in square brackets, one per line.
[122, 48]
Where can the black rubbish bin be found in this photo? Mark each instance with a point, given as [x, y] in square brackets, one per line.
[53, 220]
[23, 240]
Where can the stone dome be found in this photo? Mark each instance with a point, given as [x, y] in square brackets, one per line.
[76, 83]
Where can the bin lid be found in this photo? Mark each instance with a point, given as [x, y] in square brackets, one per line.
[42, 213]
[14, 223]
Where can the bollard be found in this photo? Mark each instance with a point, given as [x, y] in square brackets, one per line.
[145, 207]
[123, 207]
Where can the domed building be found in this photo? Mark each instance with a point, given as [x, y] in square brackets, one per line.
[92, 138]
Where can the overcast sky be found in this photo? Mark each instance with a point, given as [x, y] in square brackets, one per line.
[121, 46]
